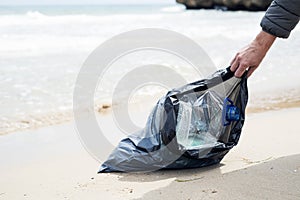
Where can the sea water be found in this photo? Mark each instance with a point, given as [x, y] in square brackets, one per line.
[42, 49]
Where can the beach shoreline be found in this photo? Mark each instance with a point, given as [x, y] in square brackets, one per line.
[258, 103]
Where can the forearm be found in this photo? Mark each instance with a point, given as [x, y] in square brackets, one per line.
[264, 40]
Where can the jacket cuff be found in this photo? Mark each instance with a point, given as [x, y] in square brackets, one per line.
[273, 29]
[279, 21]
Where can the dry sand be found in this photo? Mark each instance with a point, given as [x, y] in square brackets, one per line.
[50, 163]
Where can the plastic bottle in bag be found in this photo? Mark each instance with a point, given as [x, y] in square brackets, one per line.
[199, 123]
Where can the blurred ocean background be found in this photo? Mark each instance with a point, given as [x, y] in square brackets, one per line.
[43, 47]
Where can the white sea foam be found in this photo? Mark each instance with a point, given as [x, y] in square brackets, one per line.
[35, 14]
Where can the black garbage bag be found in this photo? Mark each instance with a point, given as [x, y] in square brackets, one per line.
[192, 126]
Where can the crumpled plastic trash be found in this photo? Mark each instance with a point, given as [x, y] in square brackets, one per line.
[192, 126]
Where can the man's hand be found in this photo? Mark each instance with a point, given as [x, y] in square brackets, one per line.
[251, 56]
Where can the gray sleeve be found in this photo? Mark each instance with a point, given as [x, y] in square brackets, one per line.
[281, 17]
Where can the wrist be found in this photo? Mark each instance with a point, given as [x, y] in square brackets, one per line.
[264, 40]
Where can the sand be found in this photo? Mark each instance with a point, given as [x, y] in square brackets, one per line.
[50, 163]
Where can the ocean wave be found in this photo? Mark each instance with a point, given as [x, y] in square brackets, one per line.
[35, 14]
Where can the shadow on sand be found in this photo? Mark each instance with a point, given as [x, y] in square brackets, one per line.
[276, 179]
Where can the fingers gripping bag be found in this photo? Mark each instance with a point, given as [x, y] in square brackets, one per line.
[192, 126]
